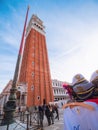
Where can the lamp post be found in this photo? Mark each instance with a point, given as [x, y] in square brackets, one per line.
[10, 106]
[27, 114]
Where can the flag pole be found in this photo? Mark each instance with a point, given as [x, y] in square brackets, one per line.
[20, 53]
[10, 106]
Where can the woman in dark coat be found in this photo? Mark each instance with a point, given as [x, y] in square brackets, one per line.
[41, 115]
[47, 113]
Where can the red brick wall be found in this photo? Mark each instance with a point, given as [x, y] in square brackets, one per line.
[35, 50]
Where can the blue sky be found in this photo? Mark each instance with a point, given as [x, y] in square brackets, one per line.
[71, 35]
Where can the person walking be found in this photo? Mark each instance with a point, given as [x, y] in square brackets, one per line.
[19, 110]
[51, 114]
[41, 115]
[47, 113]
[56, 110]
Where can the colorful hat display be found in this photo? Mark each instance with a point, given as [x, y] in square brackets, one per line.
[77, 79]
[94, 76]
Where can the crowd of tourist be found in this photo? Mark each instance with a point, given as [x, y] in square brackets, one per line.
[80, 109]
[48, 111]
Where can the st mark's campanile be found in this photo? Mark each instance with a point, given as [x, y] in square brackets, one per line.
[35, 65]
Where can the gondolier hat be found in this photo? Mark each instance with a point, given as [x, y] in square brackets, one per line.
[94, 76]
[77, 79]
[82, 87]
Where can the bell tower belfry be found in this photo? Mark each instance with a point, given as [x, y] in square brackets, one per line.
[35, 69]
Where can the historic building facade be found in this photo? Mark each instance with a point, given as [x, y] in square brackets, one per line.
[21, 95]
[35, 69]
[58, 90]
[59, 93]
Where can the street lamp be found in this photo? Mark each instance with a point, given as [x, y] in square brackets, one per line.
[27, 114]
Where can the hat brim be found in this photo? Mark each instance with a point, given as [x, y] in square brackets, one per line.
[86, 94]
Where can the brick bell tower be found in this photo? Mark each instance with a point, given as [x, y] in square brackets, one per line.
[35, 65]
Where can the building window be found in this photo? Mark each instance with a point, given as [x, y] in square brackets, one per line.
[32, 73]
[32, 87]
[32, 62]
[38, 97]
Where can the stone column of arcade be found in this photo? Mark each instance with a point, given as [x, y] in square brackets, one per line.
[8, 122]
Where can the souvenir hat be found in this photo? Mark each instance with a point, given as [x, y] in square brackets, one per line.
[82, 87]
[77, 79]
[94, 76]
[84, 90]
